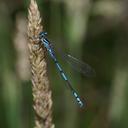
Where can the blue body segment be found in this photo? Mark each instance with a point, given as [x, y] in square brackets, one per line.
[78, 99]
[61, 71]
[47, 45]
[65, 78]
[58, 66]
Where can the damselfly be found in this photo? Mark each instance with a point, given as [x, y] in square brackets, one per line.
[80, 66]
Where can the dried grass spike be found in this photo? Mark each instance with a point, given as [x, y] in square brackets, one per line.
[41, 92]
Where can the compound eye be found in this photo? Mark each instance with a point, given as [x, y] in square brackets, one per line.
[42, 34]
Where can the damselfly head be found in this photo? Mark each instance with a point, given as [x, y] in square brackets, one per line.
[42, 34]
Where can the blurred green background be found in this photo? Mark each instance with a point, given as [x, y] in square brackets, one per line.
[95, 31]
